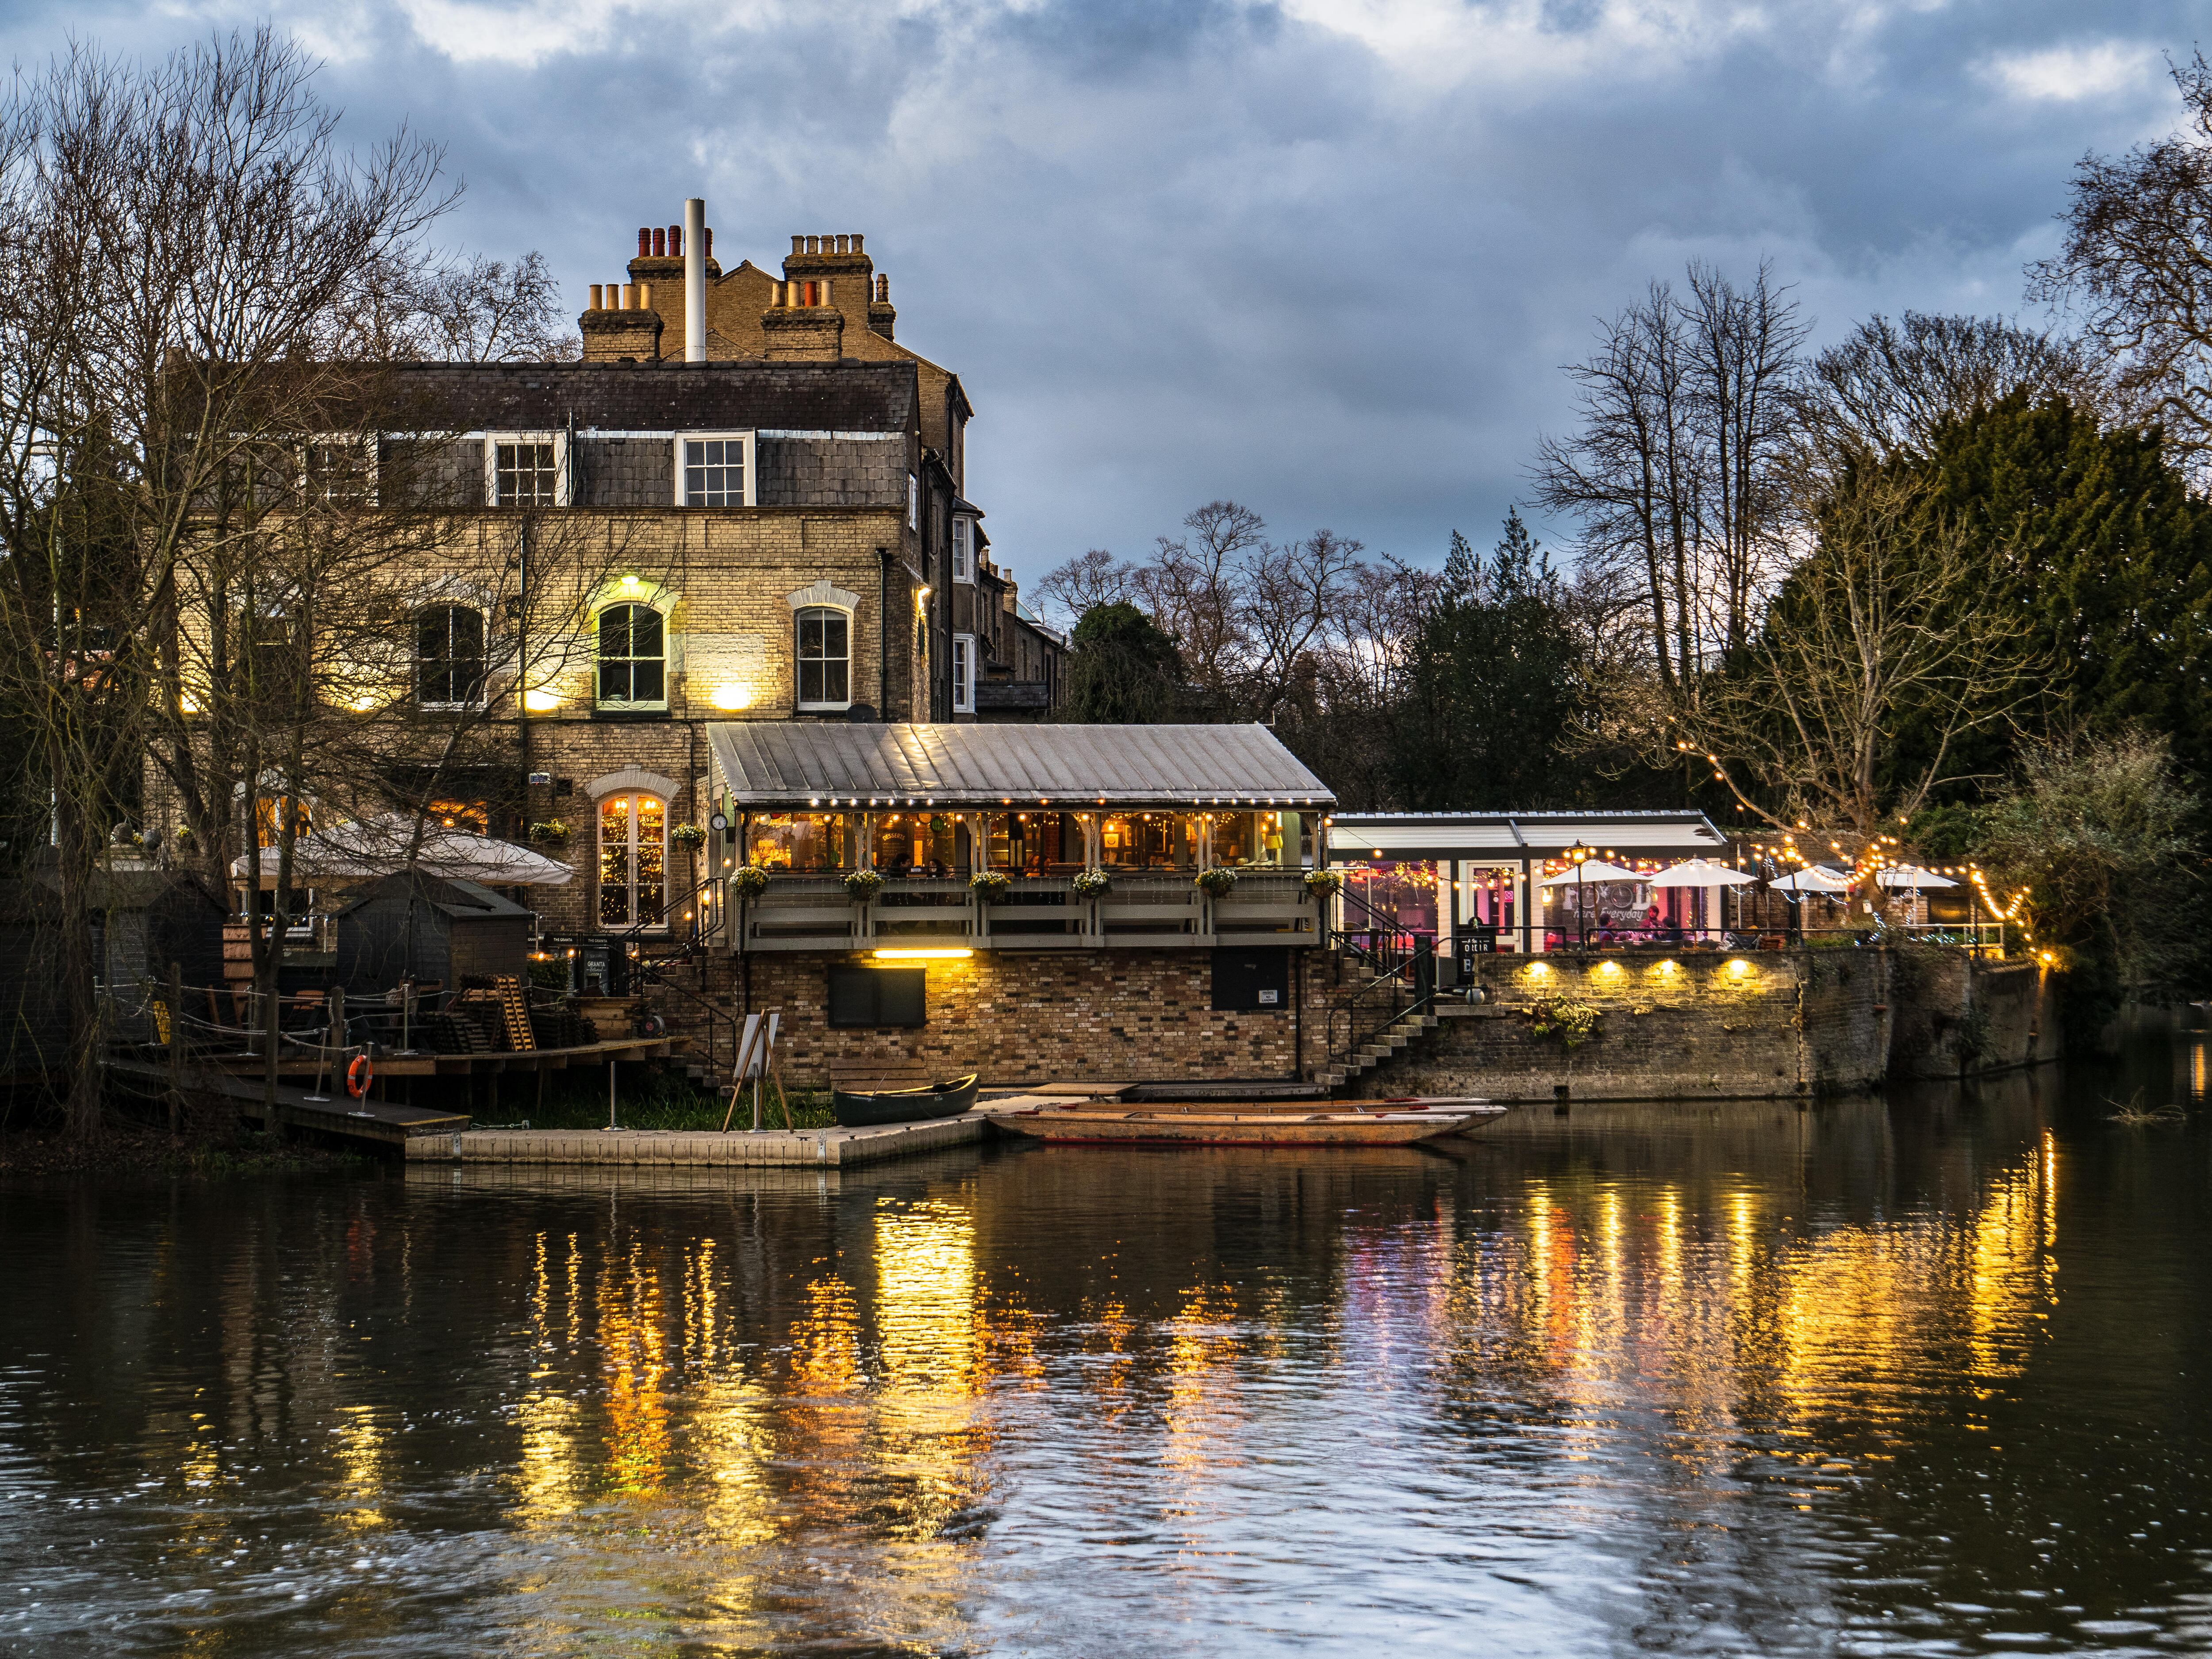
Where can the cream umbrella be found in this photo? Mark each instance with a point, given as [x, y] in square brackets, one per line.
[1699, 872]
[1593, 870]
[1907, 876]
[1814, 878]
[379, 847]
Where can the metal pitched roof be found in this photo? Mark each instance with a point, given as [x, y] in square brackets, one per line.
[795, 763]
[1519, 835]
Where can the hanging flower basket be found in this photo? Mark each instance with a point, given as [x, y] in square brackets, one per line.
[552, 833]
[688, 835]
[864, 884]
[1215, 884]
[1091, 883]
[1323, 882]
[990, 884]
[749, 881]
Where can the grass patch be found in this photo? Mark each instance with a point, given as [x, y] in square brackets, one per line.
[654, 1098]
[2135, 1114]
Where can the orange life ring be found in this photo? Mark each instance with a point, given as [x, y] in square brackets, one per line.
[358, 1076]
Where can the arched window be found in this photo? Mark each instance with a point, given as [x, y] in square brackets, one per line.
[449, 657]
[633, 658]
[825, 659]
[633, 860]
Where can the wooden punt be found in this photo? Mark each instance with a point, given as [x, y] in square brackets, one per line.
[1246, 1123]
[861, 1108]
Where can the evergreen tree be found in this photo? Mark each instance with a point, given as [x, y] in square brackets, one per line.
[1492, 685]
[1122, 669]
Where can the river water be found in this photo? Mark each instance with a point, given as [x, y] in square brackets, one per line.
[1928, 1375]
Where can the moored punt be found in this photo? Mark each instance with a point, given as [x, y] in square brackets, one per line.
[1274, 1123]
[858, 1108]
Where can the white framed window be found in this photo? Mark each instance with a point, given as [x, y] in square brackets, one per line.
[964, 549]
[449, 657]
[715, 468]
[913, 502]
[633, 860]
[526, 469]
[338, 469]
[633, 658]
[823, 640]
[964, 673]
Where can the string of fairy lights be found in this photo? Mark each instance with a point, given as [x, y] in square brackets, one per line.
[1866, 865]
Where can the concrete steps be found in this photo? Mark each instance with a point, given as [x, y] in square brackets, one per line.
[1386, 1045]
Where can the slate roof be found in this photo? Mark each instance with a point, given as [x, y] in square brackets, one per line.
[795, 762]
[839, 396]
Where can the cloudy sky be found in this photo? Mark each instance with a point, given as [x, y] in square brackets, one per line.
[1324, 257]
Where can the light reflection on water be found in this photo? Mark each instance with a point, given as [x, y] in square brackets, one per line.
[1922, 1376]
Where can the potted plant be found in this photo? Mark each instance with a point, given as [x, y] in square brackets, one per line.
[863, 885]
[1216, 882]
[552, 833]
[184, 840]
[990, 884]
[688, 835]
[749, 881]
[1322, 883]
[1572, 1022]
[1093, 882]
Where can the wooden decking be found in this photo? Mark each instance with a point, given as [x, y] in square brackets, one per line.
[388, 1123]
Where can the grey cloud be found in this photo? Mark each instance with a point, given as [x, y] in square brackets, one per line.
[1179, 252]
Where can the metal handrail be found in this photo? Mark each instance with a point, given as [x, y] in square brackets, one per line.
[1411, 989]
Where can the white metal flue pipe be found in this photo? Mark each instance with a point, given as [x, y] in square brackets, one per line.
[695, 280]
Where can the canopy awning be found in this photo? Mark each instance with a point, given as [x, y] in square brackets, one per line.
[379, 847]
[821, 763]
[1509, 837]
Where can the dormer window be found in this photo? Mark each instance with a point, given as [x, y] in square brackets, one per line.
[717, 471]
[526, 469]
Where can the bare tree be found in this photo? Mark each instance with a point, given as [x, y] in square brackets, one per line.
[1677, 472]
[1068, 590]
[2138, 265]
[1882, 625]
[1887, 387]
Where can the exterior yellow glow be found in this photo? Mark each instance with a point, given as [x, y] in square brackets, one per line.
[737, 696]
[1738, 968]
[925, 953]
[541, 700]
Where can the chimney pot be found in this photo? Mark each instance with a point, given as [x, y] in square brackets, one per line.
[659, 244]
[644, 242]
[645, 296]
[676, 241]
[857, 240]
[883, 290]
[709, 230]
[598, 293]
[844, 245]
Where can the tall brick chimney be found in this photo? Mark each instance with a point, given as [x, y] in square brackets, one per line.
[825, 279]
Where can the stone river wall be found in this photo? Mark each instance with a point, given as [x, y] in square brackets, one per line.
[1708, 1026]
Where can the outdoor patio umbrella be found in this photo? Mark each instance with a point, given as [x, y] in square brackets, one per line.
[1588, 870]
[1594, 870]
[1814, 878]
[1700, 873]
[1908, 877]
[377, 846]
[1703, 872]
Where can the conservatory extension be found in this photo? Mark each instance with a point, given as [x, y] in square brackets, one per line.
[896, 837]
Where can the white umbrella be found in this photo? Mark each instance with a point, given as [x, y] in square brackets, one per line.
[377, 846]
[1593, 870]
[1908, 877]
[1811, 880]
[1700, 873]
